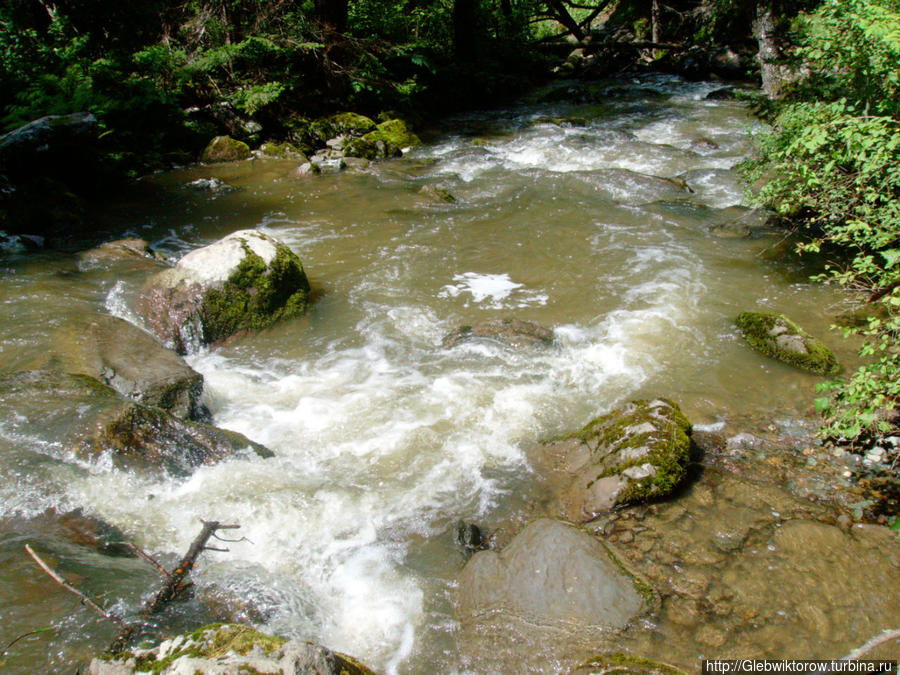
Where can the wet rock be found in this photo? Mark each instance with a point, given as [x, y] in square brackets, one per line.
[130, 361]
[230, 648]
[704, 146]
[638, 452]
[128, 252]
[46, 137]
[777, 336]
[58, 413]
[388, 139]
[214, 186]
[552, 574]
[225, 149]
[723, 94]
[347, 124]
[437, 194]
[308, 169]
[281, 151]
[82, 530]
[468, 537]
[511, 332]
[246, 281]
[356, 163]
[625, 664]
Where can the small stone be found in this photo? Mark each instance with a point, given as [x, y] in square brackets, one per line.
[710, 636]
[626, 537]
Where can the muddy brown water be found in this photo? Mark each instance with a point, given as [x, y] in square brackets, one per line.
[384, 440]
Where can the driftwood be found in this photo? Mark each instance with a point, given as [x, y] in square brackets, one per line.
[174, 582]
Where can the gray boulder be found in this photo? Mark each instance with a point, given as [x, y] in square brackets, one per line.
[246, 281]
[130, 361]
[552, 575]
[638, 452]
[511, 332]
[58, 413]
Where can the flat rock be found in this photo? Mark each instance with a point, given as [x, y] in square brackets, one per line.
[511, 332]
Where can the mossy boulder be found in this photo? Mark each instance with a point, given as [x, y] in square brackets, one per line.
[130, 361]
[341, 124]
[625, 664]
[777, 336]
[553, 574]
[225, 149]
[638, 452]
[62, 414]
[513, 333]
[387, 140]
[246, 281]
[229, 648]
[282, 151]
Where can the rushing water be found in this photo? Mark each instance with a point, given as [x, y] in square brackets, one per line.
[384, 439]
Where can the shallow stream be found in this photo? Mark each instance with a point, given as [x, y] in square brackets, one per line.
[384, 439]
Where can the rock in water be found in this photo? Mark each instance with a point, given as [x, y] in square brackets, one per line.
[555, 575]
[637, 452]
[225, 149]
[130, 361]
[58, 413]
[387, 140]
[230, 648]
[511, 332]
[246, 281]
[777, 336]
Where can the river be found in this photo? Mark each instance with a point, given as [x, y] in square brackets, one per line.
[383, 438]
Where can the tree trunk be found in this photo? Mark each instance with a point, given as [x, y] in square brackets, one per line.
[563, 16]
[332, 15]
[506, 8]
[464, 29]
[769, 54]
[654, 21]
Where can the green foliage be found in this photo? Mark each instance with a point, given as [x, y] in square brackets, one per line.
[833, 166]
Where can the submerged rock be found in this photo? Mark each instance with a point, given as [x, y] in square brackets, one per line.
[132, 252]
[246, 281]
[230, 648]
[130, 361]
[388, 139]
[437, 194]
[638, 452]
[625, 664]
[58, 413]
[777, 336]
[511, 332]
[225, 149]
[552, 575]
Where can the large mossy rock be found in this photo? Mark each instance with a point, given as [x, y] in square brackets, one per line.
[230, 648]
[638, 452]
[57, 413]
[387, 140]
[511, 332]
[553, 575]
[130, 361]
[225, 149]
[777, 336]
[343, 124]
[246, 281]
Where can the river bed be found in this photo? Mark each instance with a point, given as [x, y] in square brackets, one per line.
[384, 439]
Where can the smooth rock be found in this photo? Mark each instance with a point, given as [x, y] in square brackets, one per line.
[511, 332]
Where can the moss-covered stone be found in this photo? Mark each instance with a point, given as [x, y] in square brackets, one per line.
[282, 151]
[625, 664]
[346, 123]
[256, 295]
[638, 452]
[777, 336]
[225, 149]
[231, 648]
[387, 140]
[246, 281]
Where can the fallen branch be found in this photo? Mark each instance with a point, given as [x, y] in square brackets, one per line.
[69, 587]
[885, 636]
[143, 554]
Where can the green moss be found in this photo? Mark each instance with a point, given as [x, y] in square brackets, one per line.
[225, 149]
[281, 150]
[668, 446]
[611, 664]
[239, 639]
[639, 583]
[255, 297]
[757, 327]
[387, 140]
[346, 123]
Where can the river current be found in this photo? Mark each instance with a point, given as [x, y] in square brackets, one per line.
[383, 438]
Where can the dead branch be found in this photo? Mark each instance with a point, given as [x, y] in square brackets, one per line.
[159, 568]
[62, 582]
[881, 638]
